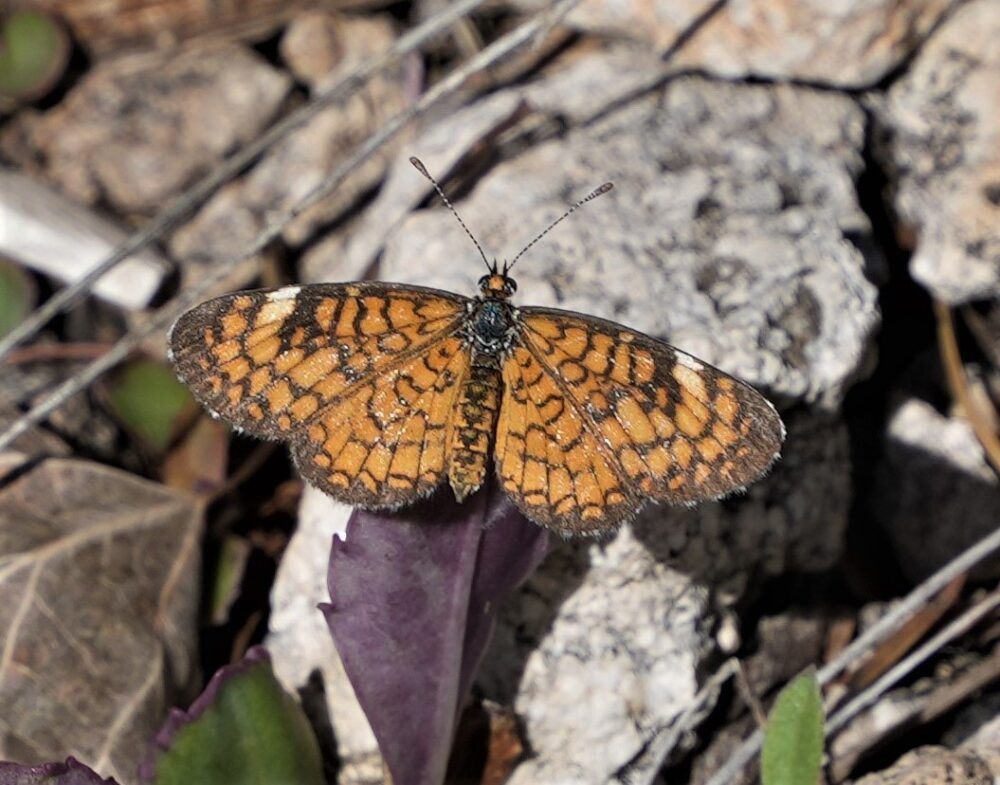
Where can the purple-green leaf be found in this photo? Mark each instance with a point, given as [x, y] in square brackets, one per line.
[244, 729]
[414, 596]
[72, 772]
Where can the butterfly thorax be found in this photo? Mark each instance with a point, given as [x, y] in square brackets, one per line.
[491, 324]
[489, 330]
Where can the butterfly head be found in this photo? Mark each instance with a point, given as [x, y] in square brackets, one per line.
[497, 285]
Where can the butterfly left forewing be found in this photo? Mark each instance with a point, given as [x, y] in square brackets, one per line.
[271, 361]
[678, 429]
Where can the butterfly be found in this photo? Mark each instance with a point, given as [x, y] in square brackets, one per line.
[386, 391]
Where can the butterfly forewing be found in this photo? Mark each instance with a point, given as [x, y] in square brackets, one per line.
[596, 418]
[298, 363]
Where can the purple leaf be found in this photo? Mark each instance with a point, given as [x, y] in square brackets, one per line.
[72, 772]
[414, 600]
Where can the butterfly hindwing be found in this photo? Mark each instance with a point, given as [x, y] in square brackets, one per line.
[386, 443]
[548, 461]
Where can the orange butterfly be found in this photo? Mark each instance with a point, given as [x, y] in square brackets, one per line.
[385, 390]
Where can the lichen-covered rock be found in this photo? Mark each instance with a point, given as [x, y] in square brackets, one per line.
[844, 44]
[941, 146]
[138, 129]
[727, 234]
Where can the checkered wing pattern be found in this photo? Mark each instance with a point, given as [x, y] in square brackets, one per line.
[596, 419]
[360, 378]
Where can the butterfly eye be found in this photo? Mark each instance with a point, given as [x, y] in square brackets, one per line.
[511, 286]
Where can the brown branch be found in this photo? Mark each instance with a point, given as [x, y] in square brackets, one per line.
[56, 352]
[959, 384]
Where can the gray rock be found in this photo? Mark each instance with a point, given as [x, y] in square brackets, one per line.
[940, 120]
[607, 642]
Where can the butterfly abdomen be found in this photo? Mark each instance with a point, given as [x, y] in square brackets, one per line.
[476, 417]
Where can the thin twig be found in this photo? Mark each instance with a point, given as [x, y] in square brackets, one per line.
[877, 633]
[192, 197]
[664, 740]
[56, 352]
[952, 361]
[908, 635]
[867, 697]
[751, 699]
[498, 50]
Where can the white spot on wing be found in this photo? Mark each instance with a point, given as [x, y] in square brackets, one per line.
[285, 293]
[689, 362]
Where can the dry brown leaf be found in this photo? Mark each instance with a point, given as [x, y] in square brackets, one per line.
[98, 602]
[198, 464]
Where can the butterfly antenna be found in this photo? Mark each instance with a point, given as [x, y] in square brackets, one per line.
[419, 166]
[602, 189]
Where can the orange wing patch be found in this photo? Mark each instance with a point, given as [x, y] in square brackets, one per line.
[656, 421]
[386, 443]
[270, 362]
[552, 465]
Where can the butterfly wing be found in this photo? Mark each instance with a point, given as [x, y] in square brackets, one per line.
[360, 378]
[596, 418]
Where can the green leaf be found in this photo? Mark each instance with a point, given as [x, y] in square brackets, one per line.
[149, 401]
[33, 53]
[17, 296]
[229, 570]
[243, 730]
[793, 741]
